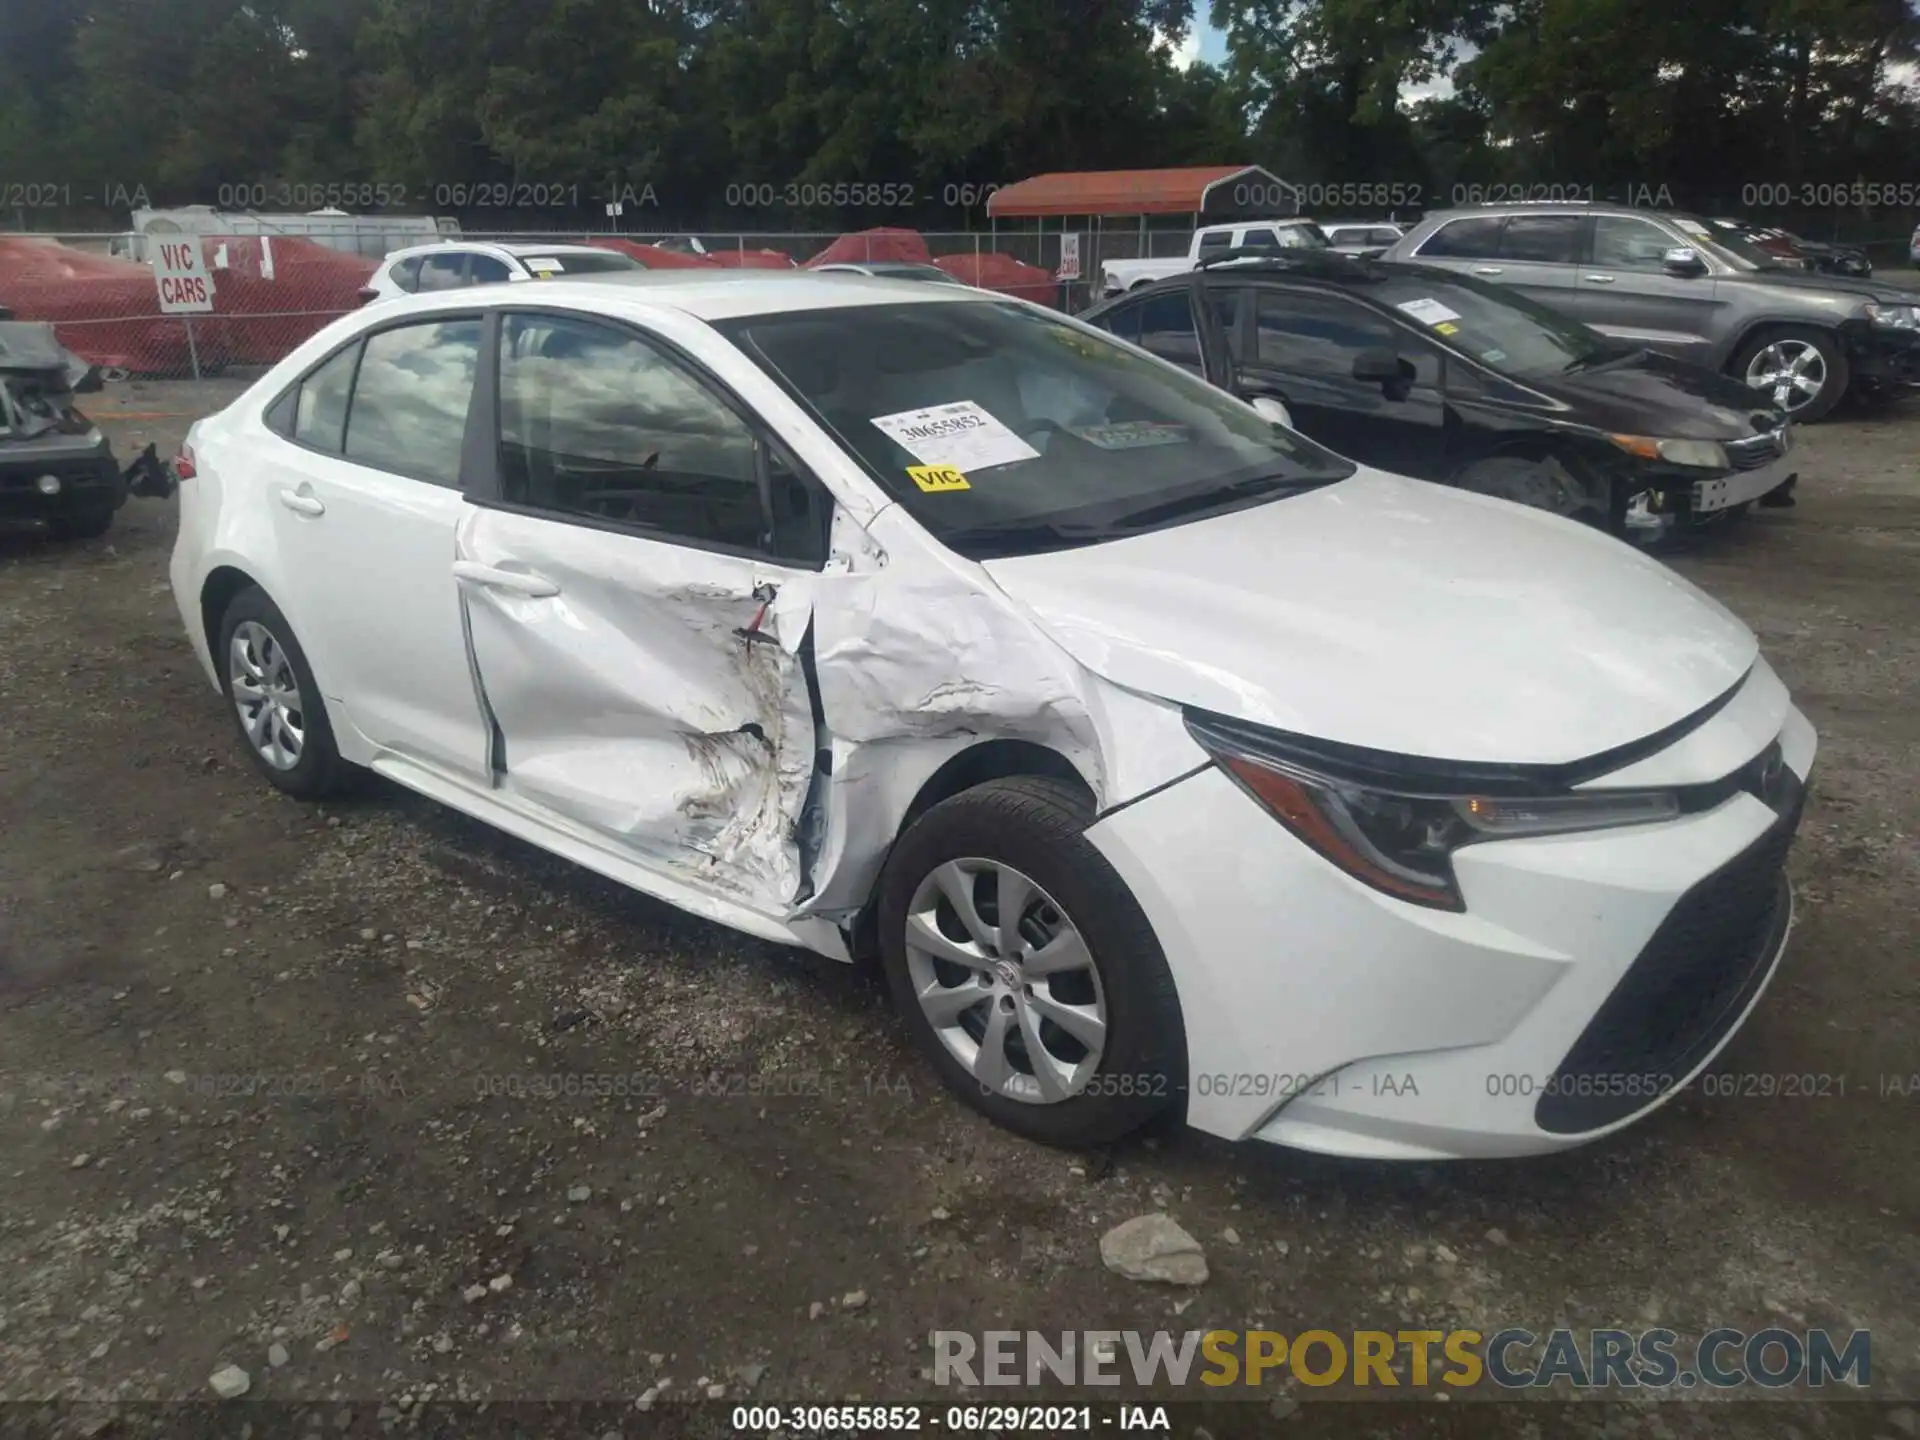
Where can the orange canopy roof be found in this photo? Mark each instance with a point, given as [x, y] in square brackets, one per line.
[1190, 190]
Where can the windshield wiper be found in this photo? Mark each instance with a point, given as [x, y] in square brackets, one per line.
[1023, 537]
[1605, 359]
[1219, 497]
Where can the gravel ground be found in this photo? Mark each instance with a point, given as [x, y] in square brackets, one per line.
[270, 1074]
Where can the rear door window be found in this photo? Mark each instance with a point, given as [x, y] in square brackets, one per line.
[1475, 238]
[410, 399]
[1167, 328]
[1542, 239]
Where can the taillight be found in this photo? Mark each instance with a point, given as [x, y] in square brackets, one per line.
[183, 464]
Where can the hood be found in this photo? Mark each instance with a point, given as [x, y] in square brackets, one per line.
[1399, 615]
[28, 347]
[1827, 282]
[1655, 395]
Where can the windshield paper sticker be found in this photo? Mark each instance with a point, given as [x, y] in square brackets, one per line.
[935, 479]
[544, 267]
[961, 435]
[1133, 434]
[1428, 311]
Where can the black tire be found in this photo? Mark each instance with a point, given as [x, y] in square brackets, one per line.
[88, 524]
[1037, 825]
[319, 770]
[1839, 373]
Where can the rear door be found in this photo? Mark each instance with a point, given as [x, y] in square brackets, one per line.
[364, 499]
[1539, 255]
[623, 570]
[1624, 289]
[1534, 253]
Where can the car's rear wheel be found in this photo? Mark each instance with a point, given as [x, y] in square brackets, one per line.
[1024, 968]
[276, 704]
[1543, 484]
[1801, 370]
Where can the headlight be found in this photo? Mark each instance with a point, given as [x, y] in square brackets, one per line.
[1401, 840]
[1707, 454]
[1894, 317]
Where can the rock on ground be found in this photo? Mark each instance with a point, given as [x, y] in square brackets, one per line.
[1154, 1247]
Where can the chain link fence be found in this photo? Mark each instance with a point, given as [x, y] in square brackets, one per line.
[272, 291]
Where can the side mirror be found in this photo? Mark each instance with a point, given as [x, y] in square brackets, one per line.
[1683, 260]
[1272, 410]
[1381, 367]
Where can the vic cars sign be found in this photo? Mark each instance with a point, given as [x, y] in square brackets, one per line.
[180, 274]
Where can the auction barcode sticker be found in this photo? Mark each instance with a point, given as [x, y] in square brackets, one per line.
[960, 434]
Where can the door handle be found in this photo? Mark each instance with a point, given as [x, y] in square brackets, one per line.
[302, 502]
[1487, 269]
[537, 587]
[1598, 279]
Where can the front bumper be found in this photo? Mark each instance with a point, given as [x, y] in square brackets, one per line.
[80, 470]
[1884, 356]
[1589, 979]
[1668, 497]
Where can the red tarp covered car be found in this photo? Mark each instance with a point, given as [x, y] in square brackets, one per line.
[885, 243]
[269, 294]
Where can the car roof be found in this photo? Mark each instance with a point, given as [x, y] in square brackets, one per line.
[721, 295]
[1541, 207]
[516, 248]
[1350, 274]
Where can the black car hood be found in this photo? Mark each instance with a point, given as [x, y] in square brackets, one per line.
[1866, 289]
[1653, 395]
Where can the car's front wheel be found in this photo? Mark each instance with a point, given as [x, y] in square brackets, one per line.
[1543, 484]
[1025, 970]
[1801, 370]
[276, 704]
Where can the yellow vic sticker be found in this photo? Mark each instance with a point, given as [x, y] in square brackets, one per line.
[935, 478]
[1446, 327]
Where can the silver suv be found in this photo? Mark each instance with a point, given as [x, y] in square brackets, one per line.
[1670, 283]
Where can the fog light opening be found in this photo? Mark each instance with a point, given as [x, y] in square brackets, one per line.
[48, 484]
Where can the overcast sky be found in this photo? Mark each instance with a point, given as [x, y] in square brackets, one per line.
[1203, 42]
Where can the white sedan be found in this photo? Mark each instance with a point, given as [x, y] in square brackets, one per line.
[458, 264]
[1165, 760]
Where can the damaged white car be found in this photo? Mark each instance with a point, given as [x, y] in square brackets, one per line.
[1167, 762]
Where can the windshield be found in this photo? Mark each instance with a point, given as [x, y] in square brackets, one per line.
[1733, 248]
[1006, 431]
[1503, 330]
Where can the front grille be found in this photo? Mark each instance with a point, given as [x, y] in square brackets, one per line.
[1752, 454]
[1684, 991]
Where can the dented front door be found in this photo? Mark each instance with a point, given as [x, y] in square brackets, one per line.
[641, 691]
[620, 577]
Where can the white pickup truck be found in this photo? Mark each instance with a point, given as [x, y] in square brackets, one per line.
[1209, 240]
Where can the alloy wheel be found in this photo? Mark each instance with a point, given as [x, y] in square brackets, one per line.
[266, 693]
[1792, 372]
[1006, 980]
